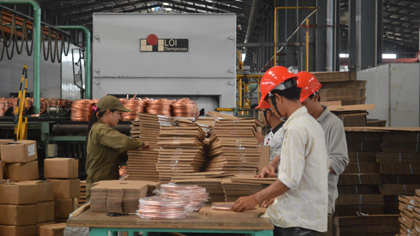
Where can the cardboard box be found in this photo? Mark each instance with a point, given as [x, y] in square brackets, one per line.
[21, 151]
[59, 221]
[61, 168]
[5, 141]
[18, 192]
[38, 225]
[265, 156]
[18, 215]
[28, 230]
[22, 171]
[45, 211]
[52, 230]
[1, 170]
[66, 188]
[63, 208]
[45, 190]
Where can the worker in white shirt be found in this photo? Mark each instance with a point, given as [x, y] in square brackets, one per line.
[301, 188]
[274, 137]
[335, 137]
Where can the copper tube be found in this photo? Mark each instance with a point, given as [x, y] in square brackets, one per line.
[159, 107]
[81, 110]
[185, 108]
[134, 105]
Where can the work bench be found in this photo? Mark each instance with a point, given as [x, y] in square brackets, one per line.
[100, 224]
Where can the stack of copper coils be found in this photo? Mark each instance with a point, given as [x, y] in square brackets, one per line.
[162, 208]
[159, 107]
[185, 108]
[197, 195]
[81, 110]
[4, 106]
[134, 105]
[14, 102]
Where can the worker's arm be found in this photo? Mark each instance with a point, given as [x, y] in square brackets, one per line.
[270, 170]
[247, 203]
[290, 172]
[259, 137]
[337, 149]
[110, 137]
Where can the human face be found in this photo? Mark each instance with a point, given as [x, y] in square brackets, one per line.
[114, 117]
[310, 104]
[280, 106]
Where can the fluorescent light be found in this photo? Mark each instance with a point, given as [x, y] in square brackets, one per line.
[389, 56]
[243, 57]
[344, 55]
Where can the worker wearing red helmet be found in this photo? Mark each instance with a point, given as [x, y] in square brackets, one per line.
[301, 188]
[335, 136]
[274, 137]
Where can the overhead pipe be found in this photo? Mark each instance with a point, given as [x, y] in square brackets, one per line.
[88, 83]
[37, 48]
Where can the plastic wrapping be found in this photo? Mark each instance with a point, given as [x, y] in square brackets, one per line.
[195, 194]
[161, 208]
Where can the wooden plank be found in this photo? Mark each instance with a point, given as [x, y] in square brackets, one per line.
[334, 76]
[192, 221]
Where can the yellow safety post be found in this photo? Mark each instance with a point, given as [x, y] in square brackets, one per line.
[307, 45]
[21, 128]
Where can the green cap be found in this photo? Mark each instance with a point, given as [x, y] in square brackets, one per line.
[111, 103]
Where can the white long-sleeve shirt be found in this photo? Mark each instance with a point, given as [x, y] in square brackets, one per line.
[274, 139]
[304, 169]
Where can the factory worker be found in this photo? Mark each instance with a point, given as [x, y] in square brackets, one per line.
[335, 137]
[274, 137]
[105, 144]
[301, 188]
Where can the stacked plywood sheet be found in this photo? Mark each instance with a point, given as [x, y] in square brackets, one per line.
[141, 164]
[407, 205]
[352, 115]
[82, 199]
[399, 164]
[115, 196]
[235, 190]
[212, 185]
[182, 151]
[341, 86]
[233, 146]
[358, 186]
[372, 225]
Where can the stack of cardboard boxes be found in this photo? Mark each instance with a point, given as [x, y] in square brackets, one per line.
[64, 173]
[20, 159]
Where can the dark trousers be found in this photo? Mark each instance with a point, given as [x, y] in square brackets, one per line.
[294, 231]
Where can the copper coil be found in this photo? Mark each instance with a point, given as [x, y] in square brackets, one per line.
[64, 103]
[222, 207]
[134, 105]
[185, 108]
[179, 188]
[163, 202]
[158, 209]
[14, 102]
[159, 107]
[81, 110]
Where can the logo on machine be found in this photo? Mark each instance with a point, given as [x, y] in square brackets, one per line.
[154, 44]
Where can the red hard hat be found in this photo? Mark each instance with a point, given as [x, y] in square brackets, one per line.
[308, 83]
[273, 77]
[263, 104]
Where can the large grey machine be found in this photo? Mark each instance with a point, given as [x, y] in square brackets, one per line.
[166, 56]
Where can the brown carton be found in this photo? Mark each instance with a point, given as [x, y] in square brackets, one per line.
[63, 208]
[66, 188]
[18, 215]
[45, 211]
[61, 168]
[265, 157]
[45, 190]
[38, 225]
[18, 192]
[28, 230]
[59, 221]
[1, 171]
[22, 171]
[21, 151]
[5, 141]
[52, 230]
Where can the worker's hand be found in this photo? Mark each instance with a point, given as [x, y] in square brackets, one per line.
[245, 203]
[267, 171]
[266, 204]
[147, 147]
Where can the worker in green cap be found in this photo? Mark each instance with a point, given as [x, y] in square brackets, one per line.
[105, 144]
